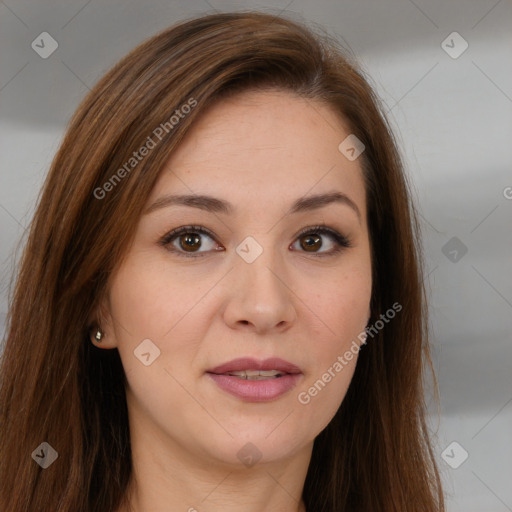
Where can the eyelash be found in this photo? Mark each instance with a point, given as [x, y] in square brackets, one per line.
[342, 241]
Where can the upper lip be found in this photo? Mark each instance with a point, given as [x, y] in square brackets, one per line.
[249, 363]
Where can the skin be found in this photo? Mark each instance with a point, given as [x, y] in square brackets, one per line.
[260, 151]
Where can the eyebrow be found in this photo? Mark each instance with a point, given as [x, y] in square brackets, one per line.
[215, 205]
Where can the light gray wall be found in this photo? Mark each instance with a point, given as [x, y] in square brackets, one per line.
[453, 119]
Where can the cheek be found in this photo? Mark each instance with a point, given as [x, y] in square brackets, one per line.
[152, 301]
[149, 299]
[341, 305]
[338, 313]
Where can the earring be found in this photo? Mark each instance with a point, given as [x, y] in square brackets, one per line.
[98, 335]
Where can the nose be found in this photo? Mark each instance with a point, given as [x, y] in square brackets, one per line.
[260, 299]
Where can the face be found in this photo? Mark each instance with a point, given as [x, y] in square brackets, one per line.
[274, 262]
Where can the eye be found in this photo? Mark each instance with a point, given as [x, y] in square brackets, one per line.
[188, 240]
[310, 240]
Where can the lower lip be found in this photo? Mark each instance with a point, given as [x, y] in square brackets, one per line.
[256, 390]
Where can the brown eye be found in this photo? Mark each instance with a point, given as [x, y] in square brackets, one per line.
[311, 242]
[321, 241]
[190, 242]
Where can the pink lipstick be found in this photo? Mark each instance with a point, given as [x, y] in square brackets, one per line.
[254, 380]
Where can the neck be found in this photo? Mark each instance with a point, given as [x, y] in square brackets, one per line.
[174, 479]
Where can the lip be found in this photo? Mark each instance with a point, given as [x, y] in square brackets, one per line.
[256, 390]
[249, 363]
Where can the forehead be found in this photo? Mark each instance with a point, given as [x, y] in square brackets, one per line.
[271, 146]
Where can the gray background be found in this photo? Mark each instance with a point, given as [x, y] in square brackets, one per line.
[453, 120]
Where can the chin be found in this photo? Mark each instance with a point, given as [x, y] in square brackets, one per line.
[255, 446]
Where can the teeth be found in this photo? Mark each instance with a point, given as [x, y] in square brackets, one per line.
[256, 374]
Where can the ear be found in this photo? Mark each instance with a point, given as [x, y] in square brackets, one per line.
[102, 319]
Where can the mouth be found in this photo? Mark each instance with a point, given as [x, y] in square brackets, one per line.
[256, 374]
[256, 369]
[256, 380]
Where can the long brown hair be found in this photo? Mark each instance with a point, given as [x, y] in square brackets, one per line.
[56, 387]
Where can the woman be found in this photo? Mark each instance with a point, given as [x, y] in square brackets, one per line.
[220, 304]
